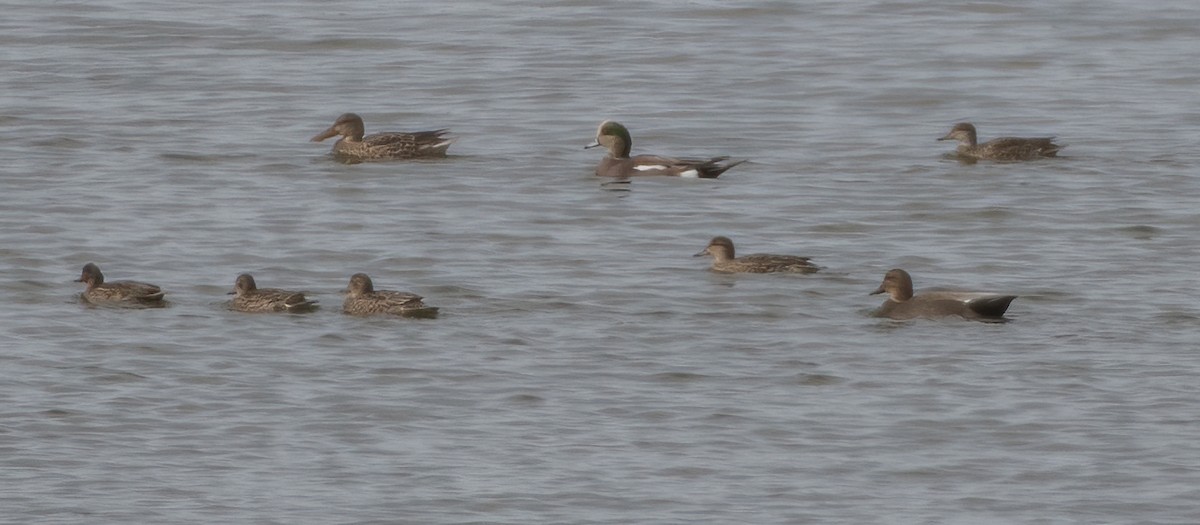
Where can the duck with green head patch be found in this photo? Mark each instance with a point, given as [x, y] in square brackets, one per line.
[1000, 149]
[383, 146]
[618, 163]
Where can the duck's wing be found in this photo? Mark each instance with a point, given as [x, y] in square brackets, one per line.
[992, 306]
[1018, 148]
[287, 299]
[981, 304]
[778, 263]
[938, 304]
[402, 299]
[688, 168]
[414, 144]
[140, 291]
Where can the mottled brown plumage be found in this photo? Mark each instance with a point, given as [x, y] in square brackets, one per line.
[618, 163]
[383, 146]
[363, 299]
[251, 298]
[903, 304]
[117, 292]
[724, 260]
[1001, 149]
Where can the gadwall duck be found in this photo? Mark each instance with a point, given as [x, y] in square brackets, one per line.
[724, 260]
[618, 163]
[251, 298]
[117, 292]
[383, 146]
[902, 304]
[1003, 148]
[363, 299]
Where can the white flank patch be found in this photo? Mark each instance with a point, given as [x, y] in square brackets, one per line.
[648, 167]
[690, 174]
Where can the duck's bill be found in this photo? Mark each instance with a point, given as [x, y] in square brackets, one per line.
[324, 135]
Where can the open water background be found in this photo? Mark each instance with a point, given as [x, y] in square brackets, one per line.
[586, 369]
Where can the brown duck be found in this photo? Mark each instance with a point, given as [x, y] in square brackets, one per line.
[363, 299]
[251, 298]
[383, 146]
[618, 163]
[724, 260]
[903, 304]
[1003, 148]
[117, 292]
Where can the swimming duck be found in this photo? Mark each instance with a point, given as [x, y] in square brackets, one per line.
[1003, 148]
[381, 146]
[128, 292]
[363, 299]
[251, 298]
[618, 163]
[721, 250]
[902, 304]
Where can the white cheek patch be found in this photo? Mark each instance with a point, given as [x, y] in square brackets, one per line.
[690, 174]
[648, 167]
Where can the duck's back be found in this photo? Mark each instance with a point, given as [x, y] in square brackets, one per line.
[1016, 148]
[932, 305]
[272, 300]
[386, 302]
[649, 165]
[392, 145]
[767, 263]
[124, 291]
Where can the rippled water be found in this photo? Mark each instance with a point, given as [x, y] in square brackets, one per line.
[585, 368]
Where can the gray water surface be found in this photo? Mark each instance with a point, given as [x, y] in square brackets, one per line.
[586, 368]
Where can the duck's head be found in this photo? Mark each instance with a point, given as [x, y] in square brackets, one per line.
[897, 284]
[244, 283]
[963, 132]
[360, 284]
[91, 275]
[615, 137]
[720, 248]
[348, 125]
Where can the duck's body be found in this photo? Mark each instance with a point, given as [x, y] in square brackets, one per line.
[363, 299]
[383, 146]
[251, 298]
[117, 292]
[618, 163]
[724, 260]
[903, 304]
[1001, 149]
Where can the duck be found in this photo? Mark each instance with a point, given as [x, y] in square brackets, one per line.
[363, 299]
[902, 304]
[383, 146]
[251, 298]
[724, 260]
[1001, 149]
[117, 292]
[618, 163]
